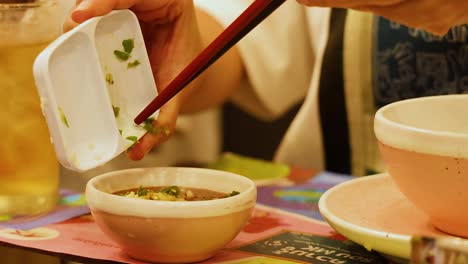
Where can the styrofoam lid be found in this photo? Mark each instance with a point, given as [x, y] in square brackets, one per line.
[90, 95]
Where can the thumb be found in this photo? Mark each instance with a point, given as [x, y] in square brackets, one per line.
[87, 9]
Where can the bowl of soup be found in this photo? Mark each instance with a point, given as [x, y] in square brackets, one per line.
[171, 214]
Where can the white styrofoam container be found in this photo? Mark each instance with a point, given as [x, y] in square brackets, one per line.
[70, 77]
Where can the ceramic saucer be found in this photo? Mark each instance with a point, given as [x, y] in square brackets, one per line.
[372, 212]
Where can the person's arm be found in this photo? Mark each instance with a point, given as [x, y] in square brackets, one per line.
[436, 16]
[278, 56]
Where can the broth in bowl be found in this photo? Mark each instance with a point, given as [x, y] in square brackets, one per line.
[174, 193]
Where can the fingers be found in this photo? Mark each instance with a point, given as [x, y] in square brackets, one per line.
[163, 128]
[438, 22]
[156, 9]
[69, 24]
[349, 3]
[148, 142]
[435, 16]
[162, 13]
[87, 9]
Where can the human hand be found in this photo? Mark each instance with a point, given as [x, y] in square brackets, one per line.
[435, 16]
[172, 40]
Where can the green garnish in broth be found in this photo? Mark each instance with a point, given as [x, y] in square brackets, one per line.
[116, 110]
[142, 191]
[63, 117]
[123, 56]
[128, 45]
[120, 131]
[133, 64]
[233, 193]
[171, 190]
[173, 193]
[109, 79]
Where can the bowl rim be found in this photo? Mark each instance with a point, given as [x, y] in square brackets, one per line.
[380, 115]
[246, 198]
[420, 140]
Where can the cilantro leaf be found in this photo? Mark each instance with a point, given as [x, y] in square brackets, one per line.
[63, 117]
[233, 193]
[142, 191]
[171, 190]
[148, 125]
[132, 138]
[109, 79]
[133, 64]
[128, 45]
[123, 56]
[116, 111]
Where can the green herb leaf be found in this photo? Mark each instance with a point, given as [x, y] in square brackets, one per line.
[120, 131]
[116, 111]
[133, 64]
[63, 117]
[128, 45]
[148, 125]
[171, 190]
[109, 79]
[233, 193]
[123, 56]
[142, 191]
[132, 138]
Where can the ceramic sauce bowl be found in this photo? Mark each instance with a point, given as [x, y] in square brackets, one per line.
[170, 231]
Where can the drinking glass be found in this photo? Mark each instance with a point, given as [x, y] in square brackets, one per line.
[29, 170]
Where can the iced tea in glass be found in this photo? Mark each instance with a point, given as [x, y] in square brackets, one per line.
[29, 170]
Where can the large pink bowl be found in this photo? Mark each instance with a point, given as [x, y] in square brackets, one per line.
[170, 232]
[424, 144]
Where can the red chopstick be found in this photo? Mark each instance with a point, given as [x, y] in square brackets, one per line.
[249, 19]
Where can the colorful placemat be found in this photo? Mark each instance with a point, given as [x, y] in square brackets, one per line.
[271, 236]
[301, 198]
[70, 205]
